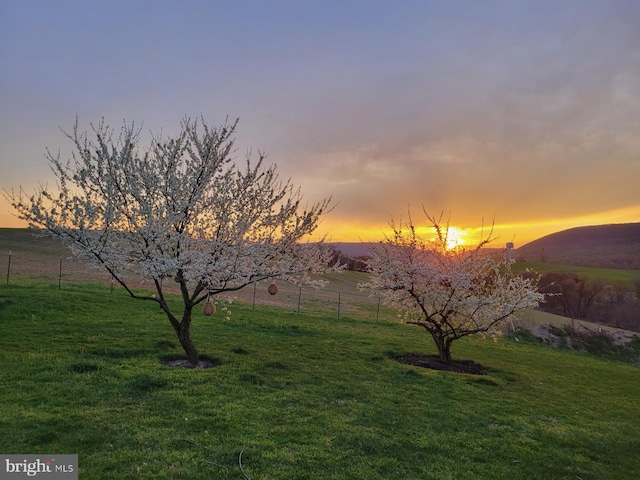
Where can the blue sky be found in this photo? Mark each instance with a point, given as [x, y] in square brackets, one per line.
[526, 110]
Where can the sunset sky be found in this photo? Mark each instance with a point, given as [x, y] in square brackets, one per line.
[523, 111]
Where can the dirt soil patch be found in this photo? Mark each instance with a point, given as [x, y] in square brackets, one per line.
[184, 363]
[434, 363]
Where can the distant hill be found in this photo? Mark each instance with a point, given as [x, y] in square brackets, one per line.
[354, 249]
[603, 246]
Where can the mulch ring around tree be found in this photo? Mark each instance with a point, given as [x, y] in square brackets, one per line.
[434, 363]
[184, 363]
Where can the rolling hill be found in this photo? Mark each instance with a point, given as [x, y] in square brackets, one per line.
[614, 246]
[354, 249]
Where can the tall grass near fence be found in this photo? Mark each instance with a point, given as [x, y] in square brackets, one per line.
[297, 396]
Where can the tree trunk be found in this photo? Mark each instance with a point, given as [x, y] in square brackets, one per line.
[443, 346]
[187, 344]
[182, 330]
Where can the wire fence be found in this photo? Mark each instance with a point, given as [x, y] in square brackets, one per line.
[340, 297]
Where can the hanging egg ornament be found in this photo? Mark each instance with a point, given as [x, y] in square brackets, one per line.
[209, 308]
[273, 288]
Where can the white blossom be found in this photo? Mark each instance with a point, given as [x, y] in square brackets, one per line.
[181, 209]
[451, 292]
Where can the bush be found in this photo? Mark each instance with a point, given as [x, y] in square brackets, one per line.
[600, 344]
[523, 335]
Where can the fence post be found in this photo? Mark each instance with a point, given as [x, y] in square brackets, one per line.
[254, 295]
[9, 268]
[299, 298]
[60, 275]
[378, 310]
[338, 305]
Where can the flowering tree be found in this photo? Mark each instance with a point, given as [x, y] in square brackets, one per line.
[450, 292]
[180, 210]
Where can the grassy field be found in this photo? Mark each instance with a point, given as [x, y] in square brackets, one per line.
[46, 260]
[305, 396]
[600, 274]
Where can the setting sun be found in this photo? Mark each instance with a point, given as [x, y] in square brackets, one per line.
[455, 237]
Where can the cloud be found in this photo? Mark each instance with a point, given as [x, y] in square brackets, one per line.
[525, 110]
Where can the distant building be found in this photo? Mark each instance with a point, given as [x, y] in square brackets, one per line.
[511, 253]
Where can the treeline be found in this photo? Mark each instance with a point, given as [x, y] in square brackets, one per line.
[616, 304]
[355, 264]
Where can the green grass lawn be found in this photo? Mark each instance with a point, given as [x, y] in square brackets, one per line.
[298, 396]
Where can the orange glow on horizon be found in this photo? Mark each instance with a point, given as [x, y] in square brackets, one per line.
[455, 237]
[520, 233]
[9, 221]
[347, 231]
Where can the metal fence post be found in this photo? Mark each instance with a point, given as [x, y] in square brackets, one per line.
[9, 268]
[254, 295]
